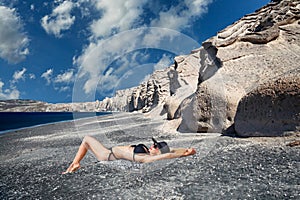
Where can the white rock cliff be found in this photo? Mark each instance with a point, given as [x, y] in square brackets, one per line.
[260, 49]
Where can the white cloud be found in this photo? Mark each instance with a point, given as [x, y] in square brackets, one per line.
[97, 57]
[178, 16]
[61, 81]
[11, 93]
[19, 75]
[31, 76]
[66, 77]
[47, 75]
[59, 20]
[108, 80]
[13, 42]
[118, 15]
[63, 88]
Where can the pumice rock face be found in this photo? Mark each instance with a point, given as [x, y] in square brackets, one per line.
[270, 109]
[258, 50]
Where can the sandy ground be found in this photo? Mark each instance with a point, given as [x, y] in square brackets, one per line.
[224, 167]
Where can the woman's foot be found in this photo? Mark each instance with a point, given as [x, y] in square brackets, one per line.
[72, 168]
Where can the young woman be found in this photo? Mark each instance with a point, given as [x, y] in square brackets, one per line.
[137, 153]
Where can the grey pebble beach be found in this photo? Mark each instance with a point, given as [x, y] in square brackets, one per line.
[33, 159]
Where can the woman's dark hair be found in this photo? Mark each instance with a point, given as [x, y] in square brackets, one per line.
[162, 146]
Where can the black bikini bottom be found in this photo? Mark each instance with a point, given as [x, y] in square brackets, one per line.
[111, 154]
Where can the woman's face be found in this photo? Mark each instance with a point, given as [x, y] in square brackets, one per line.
[154, 151]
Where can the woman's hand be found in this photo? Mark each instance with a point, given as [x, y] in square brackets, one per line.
[181, 152]
[189, 152]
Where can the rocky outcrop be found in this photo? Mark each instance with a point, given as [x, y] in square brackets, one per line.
[271, 108]
[164, 91]
[257, 50]
[22, 106]
[39, 106]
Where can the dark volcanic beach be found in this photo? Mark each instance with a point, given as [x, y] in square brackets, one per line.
[33, 159]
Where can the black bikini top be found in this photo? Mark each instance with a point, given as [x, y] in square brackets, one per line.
[140, 148]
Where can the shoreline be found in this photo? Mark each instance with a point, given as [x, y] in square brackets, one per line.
[48, 123]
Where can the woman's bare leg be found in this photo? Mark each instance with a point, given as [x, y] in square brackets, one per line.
[88, 143]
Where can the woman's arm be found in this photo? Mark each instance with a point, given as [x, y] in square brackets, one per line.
[175, 153]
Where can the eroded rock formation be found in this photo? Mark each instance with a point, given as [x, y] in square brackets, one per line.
[252, 52]
[271, 108]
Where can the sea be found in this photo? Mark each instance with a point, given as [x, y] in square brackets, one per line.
[17, 120]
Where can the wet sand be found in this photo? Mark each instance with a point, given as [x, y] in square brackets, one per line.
[224, 167]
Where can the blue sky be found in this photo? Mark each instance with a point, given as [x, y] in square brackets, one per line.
[83, 50]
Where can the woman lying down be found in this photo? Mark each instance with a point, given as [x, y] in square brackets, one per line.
[137, 153]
